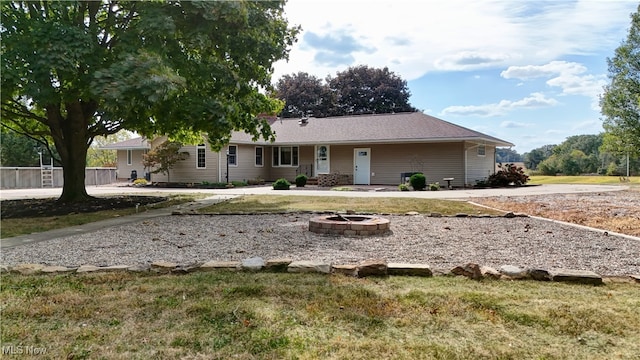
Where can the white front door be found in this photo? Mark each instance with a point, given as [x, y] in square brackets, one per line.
[362, 166]
[322, 160]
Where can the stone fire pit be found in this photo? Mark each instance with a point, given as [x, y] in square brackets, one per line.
[349, 225]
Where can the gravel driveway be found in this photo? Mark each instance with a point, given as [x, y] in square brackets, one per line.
[440, 242]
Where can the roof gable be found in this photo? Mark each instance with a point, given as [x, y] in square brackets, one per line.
[138, 143]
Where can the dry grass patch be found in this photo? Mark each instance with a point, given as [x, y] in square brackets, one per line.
[309, 316]
[593, 180]
[278, 203]
[617, 211]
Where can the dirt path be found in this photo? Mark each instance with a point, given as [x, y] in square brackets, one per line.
[617, 211]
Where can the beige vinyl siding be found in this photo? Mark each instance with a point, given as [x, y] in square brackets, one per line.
[246, 168]
[435, 161]
[479, 167]
[187, 171]
[124, 170]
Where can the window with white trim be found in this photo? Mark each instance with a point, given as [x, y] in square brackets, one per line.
[285, 156]
[129, 157]
[259, 156]
[482, 151]
[233, 155]
[201, 156]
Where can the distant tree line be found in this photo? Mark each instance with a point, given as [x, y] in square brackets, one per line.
[357, 90]
[579, 154]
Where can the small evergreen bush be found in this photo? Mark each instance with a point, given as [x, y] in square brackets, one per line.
[418, 181]
[281, 184]
[301, 180]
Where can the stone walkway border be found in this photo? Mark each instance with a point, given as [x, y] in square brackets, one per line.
[366, 268]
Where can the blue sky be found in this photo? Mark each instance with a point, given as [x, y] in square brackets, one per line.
[529, 72]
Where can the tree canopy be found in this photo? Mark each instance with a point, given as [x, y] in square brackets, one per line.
[620, 103]
[357, 90]
[74, 70]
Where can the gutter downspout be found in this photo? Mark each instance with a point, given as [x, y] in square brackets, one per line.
[219, 168]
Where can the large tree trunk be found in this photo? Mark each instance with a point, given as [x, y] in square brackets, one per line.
[71, 137]
[73, 167]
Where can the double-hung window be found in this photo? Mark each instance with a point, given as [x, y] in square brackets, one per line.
[285, 156]
[201, 157]
[482, 150]
[233, 155]
[259, 156]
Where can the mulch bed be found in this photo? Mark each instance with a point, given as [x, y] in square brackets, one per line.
[27, 208]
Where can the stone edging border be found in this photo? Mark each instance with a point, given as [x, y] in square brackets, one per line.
[366, 268]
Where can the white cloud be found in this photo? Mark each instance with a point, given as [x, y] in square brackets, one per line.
[570, 77]
[514, 124]
[414, 37]
[533, 101]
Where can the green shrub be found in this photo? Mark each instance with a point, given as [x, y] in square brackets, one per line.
[281, 184]
[140, 181]
[301, 180]
[434, 186]
[418, 181]
[403, 187]
[238, 183]
[509, 174]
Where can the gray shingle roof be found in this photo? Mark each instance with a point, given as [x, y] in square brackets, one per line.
[378, 128]
[131, 144]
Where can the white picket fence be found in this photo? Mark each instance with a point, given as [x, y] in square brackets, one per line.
[31, 177]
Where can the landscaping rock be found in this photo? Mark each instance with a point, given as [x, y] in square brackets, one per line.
[348, 270]
[309, 266]
[412, 213]
[57, 269]
[576, 276]
[404, 269]
[636, 278]
[115, 268]
[87, 269]
[277, 265]
[539, 274]
[470, 270]
[372, 267]
[490, 273]
[27, 269]
[138, 268]
[513, 272]
[221, 265]
[253, 264]
[163, 266]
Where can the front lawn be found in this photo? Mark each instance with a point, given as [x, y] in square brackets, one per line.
[225, 315]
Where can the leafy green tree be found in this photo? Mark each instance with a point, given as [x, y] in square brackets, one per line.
[507, 156]
[365, 90]
[74, 70]
[163, 158]
[620, 103]
[18, 150]
[105, 158]
[538, 155]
